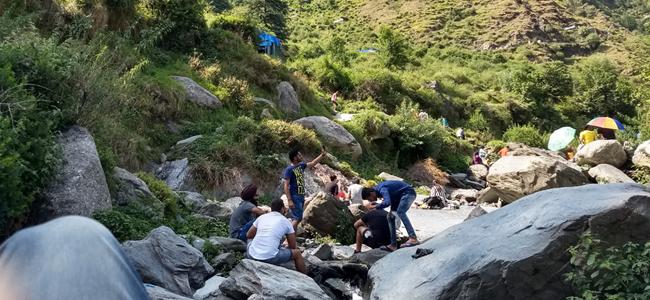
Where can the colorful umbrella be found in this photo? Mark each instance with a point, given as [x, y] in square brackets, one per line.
[606, 122]
[561, 138]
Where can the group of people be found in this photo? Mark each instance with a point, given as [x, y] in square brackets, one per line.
[264, 232]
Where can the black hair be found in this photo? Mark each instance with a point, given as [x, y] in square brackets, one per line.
[292, 154]
[586, 127]
[332, 177]
[365, 192]
[356, 180]
[277, 205]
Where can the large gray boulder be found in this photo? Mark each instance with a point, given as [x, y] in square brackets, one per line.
[272, 282]
[369, 257]
[513, 177]
[80, 187]
[288, 98]
[217, 210]
[167, 260]
[321, 212]
[158, 293]
[264, 101]
[197, 94]
[642, 154]
[478, 171]
[210, 291]
[387, 177]
[131, 188]
[193, 200]
[605, 173]
[602, 152]
[176, 174]
[333, 133]
[487, 195]
[518, 251]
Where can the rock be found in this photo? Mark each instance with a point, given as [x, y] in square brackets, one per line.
[515, 145]
[233, 202]
[357, 210]
[341, 252]
[167, 260]
[288, 98]
[131, 188]
[333, 133]
[460, 176]
[189, 140]
[605, 173]
[158, 293]
[339, 288]
[476, 212]
[475, 185]
[264, 101]
[344, 117]
[252, 277]
[321, 212]
[382, 132]
[176, 174]
[323, 252]
[455, 182]
[516, 176]
[487, 195]
[217, 210]
[80, 187]
[197, 94]
[476, 257]
[602, 152]
[210, 291]
[642, 154]
[313, 184]
[193, 200]
[223, 259]
[385, 176]
[368, 257]
[309, 261]
[266, 114]
[478, 171]
[528, 151]
[196, 242]
[468, 195]
[228, 243]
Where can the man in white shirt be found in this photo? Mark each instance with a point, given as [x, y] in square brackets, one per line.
[354, 192]
[266, 234]
[423, 115]
[460, 134]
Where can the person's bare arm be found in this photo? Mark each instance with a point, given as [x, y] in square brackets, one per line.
[286, 192]
[251, 233]
[316, 160]
[359, 223]
[291, 239]
[258, 211]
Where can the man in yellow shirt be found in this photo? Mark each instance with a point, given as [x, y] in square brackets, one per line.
[587, 136]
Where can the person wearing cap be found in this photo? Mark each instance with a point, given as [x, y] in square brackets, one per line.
[244, 215]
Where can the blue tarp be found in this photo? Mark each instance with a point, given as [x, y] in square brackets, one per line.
[368, 50]
[268, 40]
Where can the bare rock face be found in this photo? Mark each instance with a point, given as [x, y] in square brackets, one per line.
[334, 133]
[80, 187]
[602, 152]
[476, 260]
[288, 98]
[605, 173]
[516, 176]
[321, 212]
[197, 94]
[642, 154]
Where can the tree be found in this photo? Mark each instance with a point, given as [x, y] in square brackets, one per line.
[393, 47]
[271, 14]
[336, 50]
[597, 87]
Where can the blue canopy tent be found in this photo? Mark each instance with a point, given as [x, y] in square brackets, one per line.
[270, 45]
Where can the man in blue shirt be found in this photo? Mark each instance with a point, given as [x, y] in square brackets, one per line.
[294, 184]
[399, 196]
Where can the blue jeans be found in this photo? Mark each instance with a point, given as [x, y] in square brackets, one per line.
[298, 203]
[244, 230]
[67, 258]
[404, 205]
[283, 255]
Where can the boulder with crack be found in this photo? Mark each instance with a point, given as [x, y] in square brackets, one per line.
[288, 98]
[334, 134]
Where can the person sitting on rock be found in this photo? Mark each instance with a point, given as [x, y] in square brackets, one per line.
[437, 197]
[372, 230]
[399, 196]
[241, 220]
[332, 187]
[294, 183]
[266, 235]
[504, 151]
[354, 192]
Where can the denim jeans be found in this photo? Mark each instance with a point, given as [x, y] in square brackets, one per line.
[67, 258]
[404, 205]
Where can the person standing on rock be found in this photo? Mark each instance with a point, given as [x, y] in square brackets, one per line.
[241, 220]
[399, 196]
[354, 192]
[266, 235]
[372, 230]
[294, 183]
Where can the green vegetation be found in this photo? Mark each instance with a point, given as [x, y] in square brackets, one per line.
[345, 233]
[524, 134]
[617, 272]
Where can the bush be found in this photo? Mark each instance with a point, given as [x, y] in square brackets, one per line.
[524, 134]
[345, 233]
[592, 41]
[609, 273]
[161, 191]
[243, 26]
[496, 144]
[393, 47]
[237, 95]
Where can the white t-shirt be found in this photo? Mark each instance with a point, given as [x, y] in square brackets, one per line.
[355, 194]
[460, 133]
[271, 228]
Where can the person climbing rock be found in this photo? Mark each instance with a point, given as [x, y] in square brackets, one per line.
[399, 196]
[372, 230]
[294, 183]
[241, 220]
[266, 235]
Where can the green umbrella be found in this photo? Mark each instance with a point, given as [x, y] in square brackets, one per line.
[561, 138]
